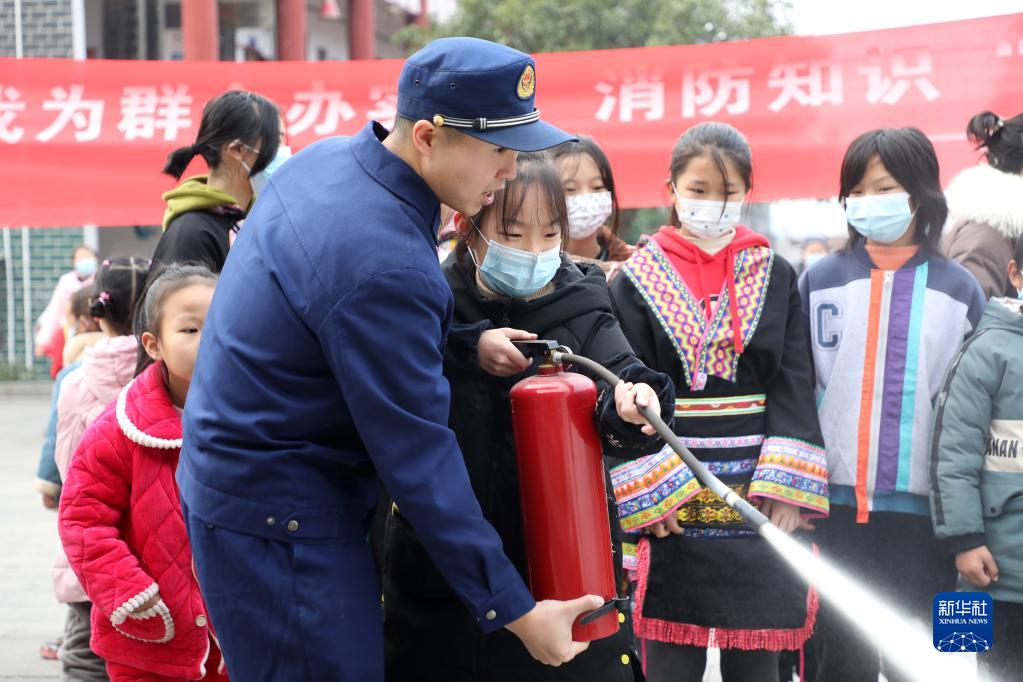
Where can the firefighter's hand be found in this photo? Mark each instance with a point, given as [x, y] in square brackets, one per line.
[498, 356]
[629, 398]
[664, 528]
[784, 515]
[977, 566]
[546, 631]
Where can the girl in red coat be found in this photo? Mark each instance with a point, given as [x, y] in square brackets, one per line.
[120, 519]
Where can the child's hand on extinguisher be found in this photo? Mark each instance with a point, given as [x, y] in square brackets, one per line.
[546, 631]
[498, 356]
[629, 398]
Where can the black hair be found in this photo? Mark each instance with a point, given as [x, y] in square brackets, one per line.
[1001, 139]
[719, 141]
[589, 147]
[81, 302]
[1017, 253]
[532, 169]
[816, 241]
[163, 282]
[119, 283]
[233, 115]
[909, 157]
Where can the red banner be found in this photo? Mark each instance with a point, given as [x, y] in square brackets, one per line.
[84, 142]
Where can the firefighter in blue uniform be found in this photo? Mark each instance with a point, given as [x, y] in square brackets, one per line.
[319, 372]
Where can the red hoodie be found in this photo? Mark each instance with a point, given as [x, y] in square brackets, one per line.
[704, 273]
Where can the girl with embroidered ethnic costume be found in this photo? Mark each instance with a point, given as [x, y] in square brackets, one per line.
[84, 393]
[593, 217]
[496, 300]
[121, 521]
[708, 302]
[885, 316]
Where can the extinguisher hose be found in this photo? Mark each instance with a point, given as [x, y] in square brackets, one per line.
[751, 514]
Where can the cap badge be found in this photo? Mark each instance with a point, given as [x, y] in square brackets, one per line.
[527, 83]
[438, 120]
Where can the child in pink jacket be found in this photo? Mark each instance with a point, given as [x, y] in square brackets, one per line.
[84, 393]
[120, 516]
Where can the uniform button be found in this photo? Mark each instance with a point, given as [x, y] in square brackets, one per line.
[270, 520]
[621, 617]
[292, 525]
[491, 614]
[201, 621]
[625, 659]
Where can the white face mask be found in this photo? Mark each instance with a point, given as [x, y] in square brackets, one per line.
[707, 219]
[587, 212]
[813, 258]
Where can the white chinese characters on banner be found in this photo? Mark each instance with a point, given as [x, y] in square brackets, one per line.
[631, 97]
[383, 106]
[10, 106]
[808, 84]
[143, 112]
[85, 115]
[709, 92]
[889, 90]
[319, 109]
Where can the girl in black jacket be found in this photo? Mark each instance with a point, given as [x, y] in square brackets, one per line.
[511, 279]
[239, 139]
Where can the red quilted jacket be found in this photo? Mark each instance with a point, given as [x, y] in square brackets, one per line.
[123, 530]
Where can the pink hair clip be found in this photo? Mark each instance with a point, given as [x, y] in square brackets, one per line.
[104, 297]
[106, 263]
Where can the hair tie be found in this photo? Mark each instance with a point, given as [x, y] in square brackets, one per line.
[103, 298]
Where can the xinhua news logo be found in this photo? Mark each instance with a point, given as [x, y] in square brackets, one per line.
[963, 622]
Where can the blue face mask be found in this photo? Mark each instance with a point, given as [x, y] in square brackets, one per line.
[259, 180]
[881, 218]
[85, 267]
[517, 273]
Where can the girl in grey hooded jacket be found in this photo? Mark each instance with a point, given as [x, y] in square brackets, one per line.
[977, 469]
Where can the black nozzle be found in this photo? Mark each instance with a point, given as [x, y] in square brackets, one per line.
[536, 349]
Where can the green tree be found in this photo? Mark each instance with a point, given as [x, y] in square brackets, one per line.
[566, 25]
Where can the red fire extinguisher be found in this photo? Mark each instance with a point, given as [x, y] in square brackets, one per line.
[564, 500]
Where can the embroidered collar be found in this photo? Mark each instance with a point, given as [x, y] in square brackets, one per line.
[705, 347]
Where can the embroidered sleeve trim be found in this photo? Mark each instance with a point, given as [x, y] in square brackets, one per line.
[792, 471]
[649, 489]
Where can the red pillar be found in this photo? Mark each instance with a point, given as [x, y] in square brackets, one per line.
[291, 30]
[423, 20]
[200, 28]
[361, 29]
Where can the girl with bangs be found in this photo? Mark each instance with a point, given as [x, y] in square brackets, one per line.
[512, 280]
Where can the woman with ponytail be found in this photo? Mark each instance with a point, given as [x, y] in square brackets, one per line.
[240, 140]
[985, 213]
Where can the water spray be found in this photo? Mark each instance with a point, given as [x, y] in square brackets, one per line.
[904, 644]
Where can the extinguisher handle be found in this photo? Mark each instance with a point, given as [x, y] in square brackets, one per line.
[619, 602]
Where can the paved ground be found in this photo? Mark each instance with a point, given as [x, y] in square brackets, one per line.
[29, 614]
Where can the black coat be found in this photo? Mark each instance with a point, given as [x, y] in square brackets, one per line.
[198, 237]
[429, 634]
